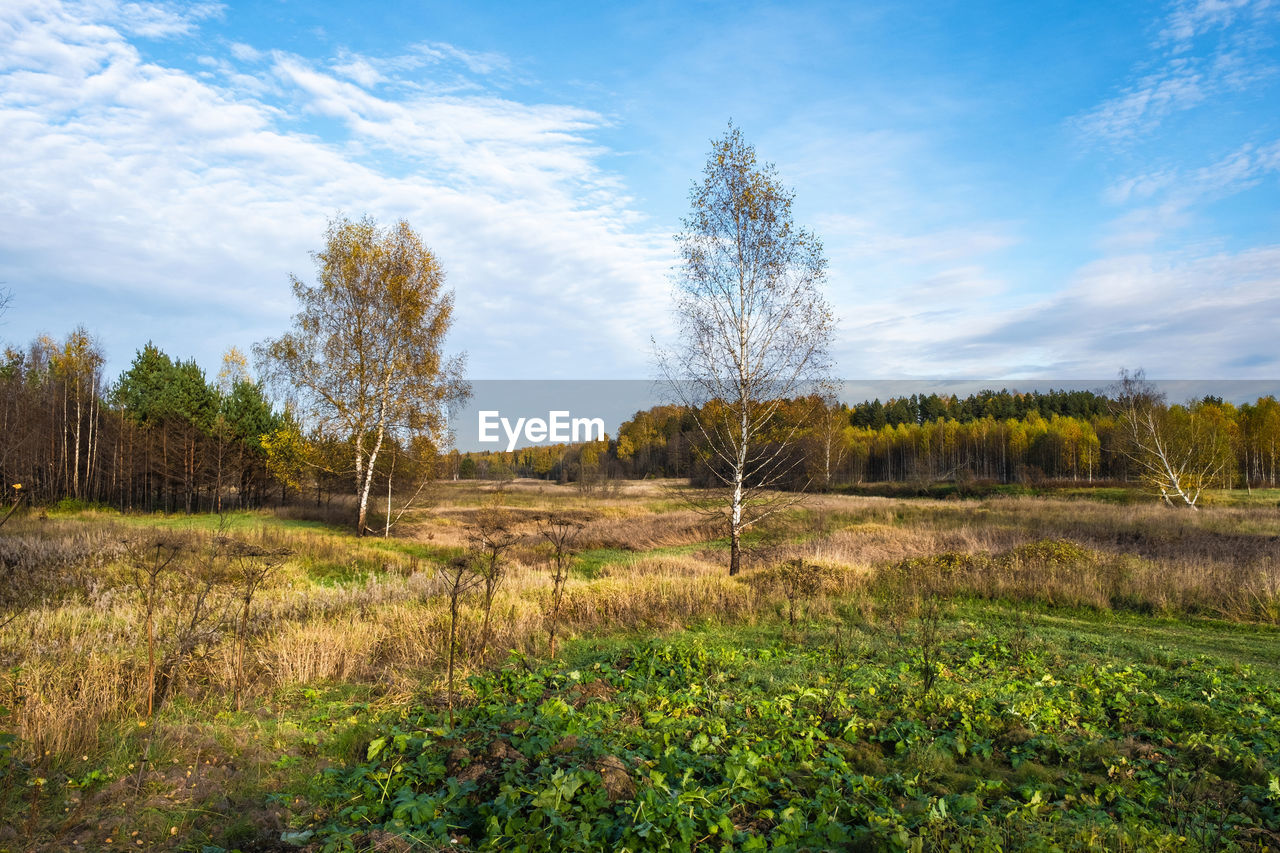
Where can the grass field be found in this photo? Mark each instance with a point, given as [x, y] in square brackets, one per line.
[1047, 671]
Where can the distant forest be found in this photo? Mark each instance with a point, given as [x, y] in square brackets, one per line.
[996, 436]
[164, 436]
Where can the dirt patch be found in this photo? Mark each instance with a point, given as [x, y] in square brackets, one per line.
[1133, 748]
[568, 743]
[466, 766]
[592, 691]
[503, 752]
[618, 783]
[457, 758]
[385, 842]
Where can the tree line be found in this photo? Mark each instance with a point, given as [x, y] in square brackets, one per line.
[159, 437]
[998, 405]
[361, 383]
[164, 437]
[838, 448]
[994, 436]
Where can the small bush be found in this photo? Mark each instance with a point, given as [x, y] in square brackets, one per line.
[798, 581]
[1051, 552]
[70, 505]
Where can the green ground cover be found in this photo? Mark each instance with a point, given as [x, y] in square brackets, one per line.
[977, 727]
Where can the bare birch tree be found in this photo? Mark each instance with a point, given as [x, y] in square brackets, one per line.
[1177, 451]
[364, 357]
[754, 328]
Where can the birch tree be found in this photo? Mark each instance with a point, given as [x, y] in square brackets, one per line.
[754, 328]
[364, 358]
[77, 365]
[1178, 451]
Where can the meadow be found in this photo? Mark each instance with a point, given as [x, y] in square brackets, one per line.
[999, 672]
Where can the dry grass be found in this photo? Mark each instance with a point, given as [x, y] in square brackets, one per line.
[643, 532]
[338, 610]
[1223, 562]
[369, 611]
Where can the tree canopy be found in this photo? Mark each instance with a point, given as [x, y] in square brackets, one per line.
[364, 359]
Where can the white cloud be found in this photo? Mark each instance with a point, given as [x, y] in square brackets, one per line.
[1237, 59]
[508, 147]
[1178, 316]
[1167, 198]
[151, 201]
[1142, 107]
[476, 62]
[149, 19]
[159, 202]
[898, 292]
[1239, 170]
[1140, 187]
[1191, 18]
[429, 68]
[865, 238]
[245, 52]
[359, 69]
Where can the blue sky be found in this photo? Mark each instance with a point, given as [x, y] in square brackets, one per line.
[1007, 191]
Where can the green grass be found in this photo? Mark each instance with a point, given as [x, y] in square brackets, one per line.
[216, 779]
[421, 550]
[1040, 731]
[1129, 637]
[978, 491]
[1242, 497]
[1103, 494]
[1198, 693]
[591, 564]
[239, 521]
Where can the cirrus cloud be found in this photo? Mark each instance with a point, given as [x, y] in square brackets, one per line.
[153, 191]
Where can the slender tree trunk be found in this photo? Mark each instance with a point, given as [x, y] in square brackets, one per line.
[75, 479]
[189, 472]
[65, 425]
[386, 531]
[735, 526]
[151, 646]
[359, 464]
[242, 640]
[368, 481]
[92, 441]
[453, 644]
[164, 456]
[557, 596]
[221, 451]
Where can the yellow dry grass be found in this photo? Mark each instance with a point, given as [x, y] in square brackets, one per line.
[342, 609]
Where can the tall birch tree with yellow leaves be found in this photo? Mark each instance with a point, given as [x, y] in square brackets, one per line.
[364, 359]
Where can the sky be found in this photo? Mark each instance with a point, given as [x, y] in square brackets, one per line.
[1006, 191]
